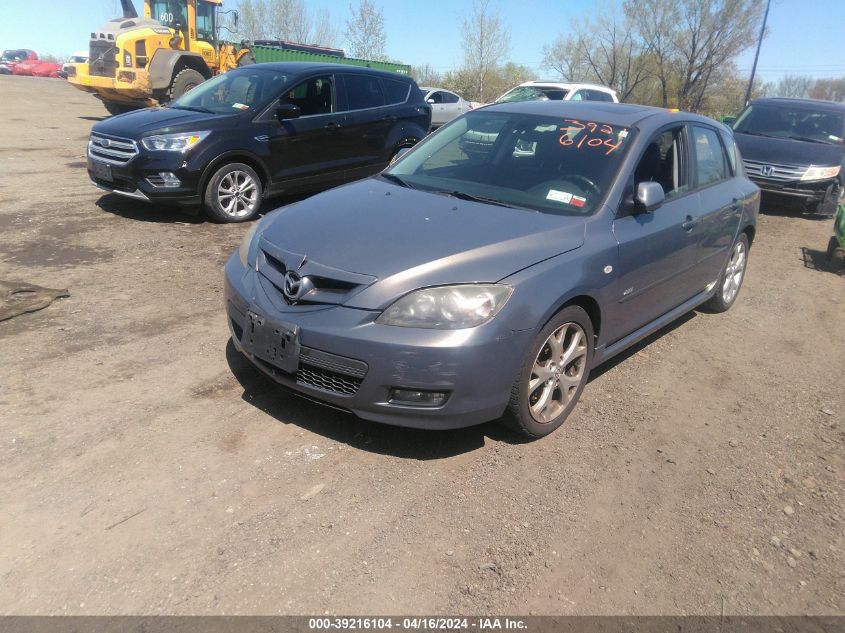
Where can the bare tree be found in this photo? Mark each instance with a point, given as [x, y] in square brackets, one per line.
[796, 86]
[252, 22]
[600, 50]
[655, 23]
[325, 32]
[365, 32]
[830, 89]
[486, 44]
[425, 75]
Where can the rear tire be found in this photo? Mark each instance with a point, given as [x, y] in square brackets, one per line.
[233, 194]
[185, 80]
[553, 375]
[730, 281]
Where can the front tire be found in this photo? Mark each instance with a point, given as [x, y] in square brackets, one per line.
[730, 281]
[553, 375]
[233, 193]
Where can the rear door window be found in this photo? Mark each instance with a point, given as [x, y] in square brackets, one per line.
[710, 164]
[363, 91]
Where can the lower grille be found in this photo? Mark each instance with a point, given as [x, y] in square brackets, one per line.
[326, 380]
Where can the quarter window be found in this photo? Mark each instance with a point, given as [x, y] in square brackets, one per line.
[709, 156]
[396, 91]
[363, 91]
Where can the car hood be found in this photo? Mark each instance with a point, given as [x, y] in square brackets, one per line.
[410, 239]
[162, 120]
[784, 151]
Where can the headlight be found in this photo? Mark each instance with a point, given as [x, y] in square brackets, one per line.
[243, 250]
[820, 173]
[173, 142]
[447, 307]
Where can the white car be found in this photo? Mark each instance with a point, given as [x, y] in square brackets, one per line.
[445, 105]
[556, 91]
[79, 57]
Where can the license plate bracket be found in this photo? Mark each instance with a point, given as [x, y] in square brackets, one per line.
[101, 171]
[273, 342]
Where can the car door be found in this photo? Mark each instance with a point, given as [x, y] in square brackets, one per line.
[439, 115]
[720, 206]
[657, 250]
[452, 106]
[309, 148]
[369, 120]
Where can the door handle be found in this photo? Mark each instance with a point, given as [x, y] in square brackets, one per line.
[389, 117]
[332, 125]
[690, 224]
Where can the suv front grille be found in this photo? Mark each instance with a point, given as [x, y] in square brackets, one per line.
[771, 171]
[112, 149]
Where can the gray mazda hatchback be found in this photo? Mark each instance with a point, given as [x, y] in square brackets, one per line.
[486, 271]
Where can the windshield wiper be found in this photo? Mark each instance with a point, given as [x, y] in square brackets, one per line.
[758, 134]
[809, 140]
[194, 108]
[462, 195]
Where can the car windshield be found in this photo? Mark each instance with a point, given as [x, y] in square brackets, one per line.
[235, 91]
[533, 93]
[548, 164]
[799, 123]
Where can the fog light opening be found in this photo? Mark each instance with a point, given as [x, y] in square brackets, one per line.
[416, 398]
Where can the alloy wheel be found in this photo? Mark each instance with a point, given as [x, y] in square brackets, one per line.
[557, 373]
[237, 194]
[734, 272]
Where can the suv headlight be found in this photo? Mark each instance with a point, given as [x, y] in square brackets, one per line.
[820, 173]
[173, 142]
[447, 307]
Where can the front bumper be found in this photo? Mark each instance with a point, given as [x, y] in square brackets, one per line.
[129, 86]
[477, 366]
[132, 178]
[798, 192]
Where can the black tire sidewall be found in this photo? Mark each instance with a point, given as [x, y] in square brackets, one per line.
[185, 77]
[212, 205]
[519, 410]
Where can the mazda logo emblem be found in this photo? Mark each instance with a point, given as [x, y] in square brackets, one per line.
[767, 170]
[296, 286]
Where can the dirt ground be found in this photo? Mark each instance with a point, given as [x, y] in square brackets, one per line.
[146, 469]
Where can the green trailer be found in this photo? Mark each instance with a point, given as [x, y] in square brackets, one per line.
[265, 53]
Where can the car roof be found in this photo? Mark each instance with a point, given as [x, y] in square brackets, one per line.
[832, 106]
[307, 67]
[625, 114]
[567, 84]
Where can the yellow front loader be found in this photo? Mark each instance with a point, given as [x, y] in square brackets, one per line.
[135, 62]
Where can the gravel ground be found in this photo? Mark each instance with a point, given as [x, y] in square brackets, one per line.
[147, 469]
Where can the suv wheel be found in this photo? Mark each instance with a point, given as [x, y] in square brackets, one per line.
[553, 376]
[233, 194]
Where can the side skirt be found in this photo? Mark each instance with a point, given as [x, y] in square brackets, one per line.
[606, 353]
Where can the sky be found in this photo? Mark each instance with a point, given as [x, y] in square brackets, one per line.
[801, 38]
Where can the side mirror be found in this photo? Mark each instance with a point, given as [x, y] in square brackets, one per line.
[287, 111]
[429, 100]
[402, 151]
[728, 120]
[650, 196]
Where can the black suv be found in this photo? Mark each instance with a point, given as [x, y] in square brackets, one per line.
[794, 150]
[257, 131]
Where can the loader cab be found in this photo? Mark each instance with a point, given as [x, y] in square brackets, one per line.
[196, 21]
